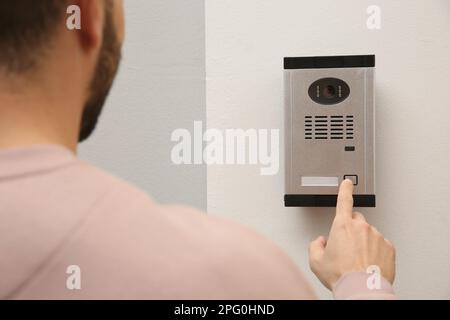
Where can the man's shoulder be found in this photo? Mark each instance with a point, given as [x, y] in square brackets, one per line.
[122, 200]
[170, 251]
[122, 204]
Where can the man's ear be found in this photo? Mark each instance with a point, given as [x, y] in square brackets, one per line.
[92, 20]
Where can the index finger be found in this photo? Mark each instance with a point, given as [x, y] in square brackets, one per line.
[344, 206]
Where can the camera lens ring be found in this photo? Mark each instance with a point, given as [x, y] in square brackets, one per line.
[329, 91]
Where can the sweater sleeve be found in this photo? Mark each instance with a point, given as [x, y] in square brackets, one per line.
[355, 286]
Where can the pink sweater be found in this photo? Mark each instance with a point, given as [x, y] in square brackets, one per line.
[57, 211]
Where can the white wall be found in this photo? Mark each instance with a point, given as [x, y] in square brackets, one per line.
[245, 43]
[160, 87]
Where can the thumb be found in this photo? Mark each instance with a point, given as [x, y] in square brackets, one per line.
[317, 248]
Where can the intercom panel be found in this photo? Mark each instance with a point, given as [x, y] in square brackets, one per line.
[329, 129]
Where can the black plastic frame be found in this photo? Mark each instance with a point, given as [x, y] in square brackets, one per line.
[320, 62]
[326, 200]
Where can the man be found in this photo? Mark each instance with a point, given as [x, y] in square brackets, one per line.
[57, 212]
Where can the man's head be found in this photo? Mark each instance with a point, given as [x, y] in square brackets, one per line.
[104, 74]
[32, 31]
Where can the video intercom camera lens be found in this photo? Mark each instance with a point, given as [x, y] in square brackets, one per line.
[329, 91]
[329, 129]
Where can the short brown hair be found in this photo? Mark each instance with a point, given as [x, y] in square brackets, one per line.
[26, 28]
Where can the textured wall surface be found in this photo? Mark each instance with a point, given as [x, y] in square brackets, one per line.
[245, 43]
[160, 87]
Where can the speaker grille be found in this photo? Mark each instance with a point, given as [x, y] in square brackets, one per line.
[336, 127]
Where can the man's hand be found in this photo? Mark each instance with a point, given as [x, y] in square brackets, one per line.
[352, 245]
